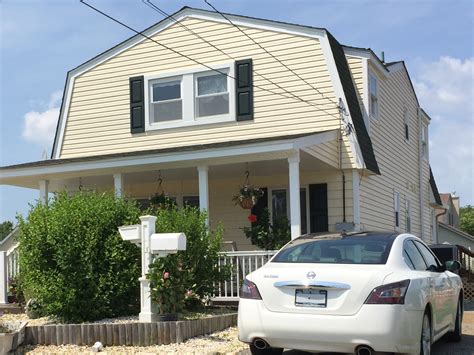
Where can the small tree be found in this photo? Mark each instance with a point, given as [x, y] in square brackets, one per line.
[5, 229]
[72, 259]
[467, 219]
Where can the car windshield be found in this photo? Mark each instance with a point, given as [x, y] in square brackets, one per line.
[355, 249]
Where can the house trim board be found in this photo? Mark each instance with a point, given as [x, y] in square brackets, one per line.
[285, 146]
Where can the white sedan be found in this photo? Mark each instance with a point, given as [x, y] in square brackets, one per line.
[355, 293]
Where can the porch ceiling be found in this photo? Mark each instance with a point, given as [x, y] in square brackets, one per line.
[226, 159]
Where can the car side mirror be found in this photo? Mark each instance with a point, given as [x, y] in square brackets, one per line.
[452, 265]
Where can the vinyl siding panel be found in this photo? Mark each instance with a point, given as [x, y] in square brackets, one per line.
[397, 158]
[98, 118]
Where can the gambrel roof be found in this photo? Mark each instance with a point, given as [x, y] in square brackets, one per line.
[360, 141]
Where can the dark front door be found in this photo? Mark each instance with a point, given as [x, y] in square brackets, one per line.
[318, 207]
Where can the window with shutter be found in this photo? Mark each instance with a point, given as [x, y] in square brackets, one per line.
[192, 97]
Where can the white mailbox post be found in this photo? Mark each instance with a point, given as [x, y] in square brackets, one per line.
[159, 244]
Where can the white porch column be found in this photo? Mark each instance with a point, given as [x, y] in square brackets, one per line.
[118, 185]
[356, 200]
[203, 175]
[294, 189]
[3, 278]
[43, 191]
[147, 311]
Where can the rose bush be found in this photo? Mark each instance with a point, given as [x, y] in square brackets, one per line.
[188, 277]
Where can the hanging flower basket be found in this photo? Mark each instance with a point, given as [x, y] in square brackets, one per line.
[246, 203]
[247, 196]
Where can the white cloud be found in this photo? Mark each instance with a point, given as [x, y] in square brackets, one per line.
[39, 127]
[445, 89]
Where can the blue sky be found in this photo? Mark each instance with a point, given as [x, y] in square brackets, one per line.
[41, 40]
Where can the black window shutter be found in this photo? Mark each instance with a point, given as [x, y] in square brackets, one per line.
[137, 105]
[318, 207]
[244, 90]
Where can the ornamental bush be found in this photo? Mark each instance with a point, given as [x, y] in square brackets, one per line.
[73, 261]
[266, 235]
[178, 279]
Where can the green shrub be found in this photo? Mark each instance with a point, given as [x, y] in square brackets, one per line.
[73, 261]
[266, 235]
[193, 272]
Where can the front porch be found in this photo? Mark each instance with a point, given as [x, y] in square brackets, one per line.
[301, 175]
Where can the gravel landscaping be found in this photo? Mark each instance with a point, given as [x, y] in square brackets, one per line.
[223, 342]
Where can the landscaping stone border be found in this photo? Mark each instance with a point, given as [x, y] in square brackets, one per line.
[126, 334]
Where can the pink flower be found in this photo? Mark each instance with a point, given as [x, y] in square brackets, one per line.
[189, 293]
[166, 275]
[252, 218]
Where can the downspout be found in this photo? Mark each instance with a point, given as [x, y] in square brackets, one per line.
[436, 222]
[420, 176]
[341, 110]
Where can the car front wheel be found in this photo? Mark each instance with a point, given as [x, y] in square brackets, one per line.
[425, 341]
[456, 335]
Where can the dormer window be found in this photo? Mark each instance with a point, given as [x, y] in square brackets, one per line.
[373, 96]
[191, 97]
[212, 95]
[165, 101]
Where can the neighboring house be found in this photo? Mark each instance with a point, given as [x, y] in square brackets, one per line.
[9, 246]
[449, 213]
[448, 223]
[341, 144]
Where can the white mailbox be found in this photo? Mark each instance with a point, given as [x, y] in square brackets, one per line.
[167, 243]
[151, 243]
[131, 233]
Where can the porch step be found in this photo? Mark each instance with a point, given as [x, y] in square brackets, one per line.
[11, 308]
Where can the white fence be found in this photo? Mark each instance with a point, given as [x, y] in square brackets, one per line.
[13, 262]
[241, 264]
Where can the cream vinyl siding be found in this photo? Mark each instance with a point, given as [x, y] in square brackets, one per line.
[357, 72]
[98, 121]
[397, 159]
[223, 211]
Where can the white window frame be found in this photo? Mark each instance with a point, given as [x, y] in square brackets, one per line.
[213, 117]
[163, 81]
[270, 205]
[375, 116]
[396, 210]
[188, 89]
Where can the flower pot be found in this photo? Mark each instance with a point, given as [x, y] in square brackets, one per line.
[246, 203]
[168, 317]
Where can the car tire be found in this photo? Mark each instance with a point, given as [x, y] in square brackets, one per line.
[456, 335]
[426, 335]
[267, 351]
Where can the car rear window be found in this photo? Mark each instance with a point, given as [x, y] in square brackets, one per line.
[340, 250]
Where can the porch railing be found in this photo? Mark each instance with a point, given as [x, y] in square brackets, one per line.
[13, 262]
[241, 264]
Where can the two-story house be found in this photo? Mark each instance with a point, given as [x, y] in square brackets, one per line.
[335, 136]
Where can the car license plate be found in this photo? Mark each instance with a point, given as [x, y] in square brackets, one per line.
[311, 298]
